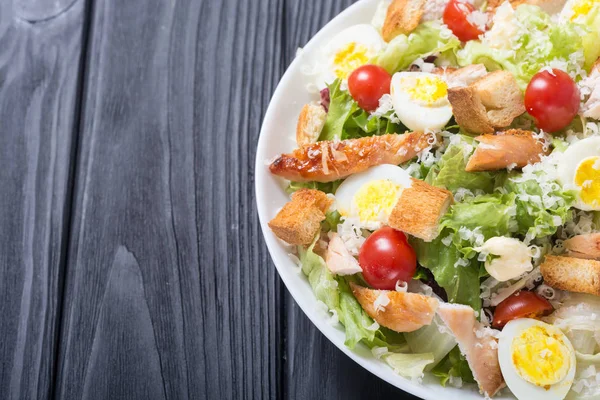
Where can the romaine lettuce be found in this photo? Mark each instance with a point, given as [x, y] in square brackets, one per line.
[429, 38]
[534, 42]
[453, 366]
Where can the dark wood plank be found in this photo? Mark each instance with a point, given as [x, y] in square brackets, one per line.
[40, 51]
[315, 368]
[170, 292]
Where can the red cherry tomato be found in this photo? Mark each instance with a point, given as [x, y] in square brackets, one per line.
[522, 304]
[552, 98]
[386, 258]
[367, 84]
[455, 16]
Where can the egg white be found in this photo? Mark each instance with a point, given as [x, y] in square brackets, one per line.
[414, 116]
[522, 389]
[569, 162]
[568, 13]
[362, 34]
[344, 196]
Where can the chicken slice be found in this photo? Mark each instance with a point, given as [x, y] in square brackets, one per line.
[584, 246]
[591, 108]
[514, 148]
[479, 347]
[398, 311]
[328, 161]
[338, 257]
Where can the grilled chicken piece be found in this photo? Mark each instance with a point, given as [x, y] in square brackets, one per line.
[338, 258]
[480, 348]
[514, 148]
[584, 246]
[405, 312]
[459, 77]
[328, 161]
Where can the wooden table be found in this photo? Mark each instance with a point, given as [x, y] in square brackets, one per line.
[132, 265]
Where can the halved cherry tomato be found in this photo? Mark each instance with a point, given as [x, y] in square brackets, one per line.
[522, 304]
[552, 98]
[367, 84]
[455, 16]
[386, 258]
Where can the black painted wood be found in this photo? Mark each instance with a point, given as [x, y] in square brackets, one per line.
[40, 52]
[170, 293]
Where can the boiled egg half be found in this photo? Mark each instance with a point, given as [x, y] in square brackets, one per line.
[537, 360]
[579, 170]
[370, 196]
[348, 50]
[420, 100]
[577, 10]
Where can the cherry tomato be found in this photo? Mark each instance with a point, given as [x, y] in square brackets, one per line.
[552, 98]
[455, 16]
[386, 258]
[522, 304]
[367, 84]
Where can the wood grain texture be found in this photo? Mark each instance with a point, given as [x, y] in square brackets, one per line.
[170, 293]
[315, 368]
[39, 79]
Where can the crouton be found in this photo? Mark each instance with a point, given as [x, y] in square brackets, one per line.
[398, 311]
[514, 148]
[419, 210]
[572, 274]
[402, 17]
[299, 220]
[338, 258]
[551, 7]
[584, 246]
[310, 123]
[490, 102]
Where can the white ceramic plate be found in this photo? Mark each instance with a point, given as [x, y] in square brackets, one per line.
[278, 136]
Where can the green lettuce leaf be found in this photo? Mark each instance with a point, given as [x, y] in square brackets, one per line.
[320, 278]
[327, 187]
[533, 47]
[461, 283]
[450, 171]
[409, 365]
[341, 107]
[429, 38]
[535, 216]
[346, 120]
[431, 339]
[453, 365]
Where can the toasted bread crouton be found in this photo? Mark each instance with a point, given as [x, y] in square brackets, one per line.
[572, 274]
[402, 17]
[551, 7]
[398, 311]
[490, 102]
[514, 148]
[419, 210]
[584, 246]
[299, 221]
[310, 124]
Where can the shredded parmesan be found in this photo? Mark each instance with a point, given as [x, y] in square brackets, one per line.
[381, 302]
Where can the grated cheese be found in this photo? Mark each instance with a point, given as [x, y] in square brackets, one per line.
[381, 302]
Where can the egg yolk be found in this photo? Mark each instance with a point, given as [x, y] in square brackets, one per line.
[583, 7]
[587, 177]
[348, 58]
[375, 198]
[540, 357]
[426, 90]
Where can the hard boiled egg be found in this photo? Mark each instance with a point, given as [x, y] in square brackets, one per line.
[420, 100]
[579, 170]
[348, 50]
[577, 10]
[537, 360]
[370, 196]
